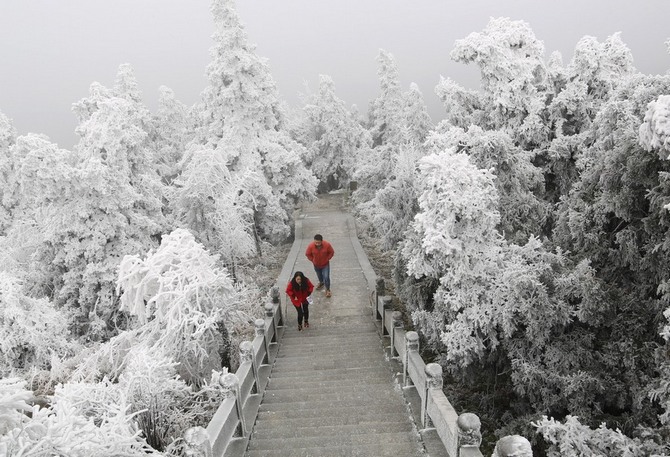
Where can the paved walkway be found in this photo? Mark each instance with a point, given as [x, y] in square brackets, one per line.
[332, 391]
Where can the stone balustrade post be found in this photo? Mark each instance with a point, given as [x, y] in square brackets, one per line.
[259, 325]
[387, 303]
[197, 443]
[269, 310]
[512, 446]
[433, 382]
[411, 345]
[380, 291]
[269, 314]
[247, 355]
[230, 387]
[397, 325]
[274, 296]
[469, 431]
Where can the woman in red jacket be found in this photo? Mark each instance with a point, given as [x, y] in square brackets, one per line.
[298, 290]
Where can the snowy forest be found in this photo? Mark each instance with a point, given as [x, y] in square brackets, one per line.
[529, 230]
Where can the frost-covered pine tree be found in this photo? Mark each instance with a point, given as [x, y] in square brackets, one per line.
[385, 113]
[32, 330]
[89, 207]
[577, 94]
[336, 139]
[172, 132]
[513, 77]
[386, 118]
[241, 118]
[211, 202]
[519, 183]
[7, 184]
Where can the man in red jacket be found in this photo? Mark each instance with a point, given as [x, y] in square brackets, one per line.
[319, 252]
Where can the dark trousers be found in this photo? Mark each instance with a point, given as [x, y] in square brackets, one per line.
[303, 312]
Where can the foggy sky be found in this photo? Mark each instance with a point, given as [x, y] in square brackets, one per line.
[51, 51]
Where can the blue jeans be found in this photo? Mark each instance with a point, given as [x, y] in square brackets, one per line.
[324, 275]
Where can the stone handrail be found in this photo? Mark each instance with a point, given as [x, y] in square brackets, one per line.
[460, 434]
[243, 390]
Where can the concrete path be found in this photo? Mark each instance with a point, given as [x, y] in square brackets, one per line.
[331, 390]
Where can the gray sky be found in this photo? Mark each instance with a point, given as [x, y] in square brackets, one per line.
[52, 50]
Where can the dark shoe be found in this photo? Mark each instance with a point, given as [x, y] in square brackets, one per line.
[306, 324]
[328, 293]
[319, 286]
[299, 328]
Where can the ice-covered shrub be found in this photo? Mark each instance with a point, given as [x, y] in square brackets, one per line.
[31, 329]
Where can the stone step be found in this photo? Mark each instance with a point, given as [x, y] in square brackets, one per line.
[326, 404]
[371, 379]
[362, 411]
[316, 343]
[309, 430]
[345, 417]
[363, 326]
[360, 393]
[351, 372]
[308, 370]
[382, 440]
[342, 338]
[313, 361]
[361, 450]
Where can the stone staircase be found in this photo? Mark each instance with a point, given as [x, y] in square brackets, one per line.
[332, 393]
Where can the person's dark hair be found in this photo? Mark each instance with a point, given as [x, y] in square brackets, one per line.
[318, 237]
[303, 281]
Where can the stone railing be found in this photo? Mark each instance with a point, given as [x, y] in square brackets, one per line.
[460, 434]
[228, 431]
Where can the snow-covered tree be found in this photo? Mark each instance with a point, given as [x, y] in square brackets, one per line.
[397, 121]
[336, 138]
[513, 77]
[385, 113]
[241, 117]
[172, 132]
[577, 93]
[518, 182]
[60, 429]
[209, 200]
[184, 301]
[574, 439]
[31, 330]
[655, 130]
[614, 216]
[90, 207]
[415, 115]
[7, 183]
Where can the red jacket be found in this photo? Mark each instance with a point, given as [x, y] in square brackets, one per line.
[320, 256]
[298, 297]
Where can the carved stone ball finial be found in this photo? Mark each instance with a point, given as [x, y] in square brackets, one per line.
[246, 351]
[412, 341]
[259, 324]
[197, 443]
[229, 384]
[269, 310]
[397, 319]
[433, 376]
[469, 430]
[513, 446]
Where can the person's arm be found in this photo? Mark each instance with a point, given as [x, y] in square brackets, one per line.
[310, 287]
[290, 293]
[309, 254]
[331, 251]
